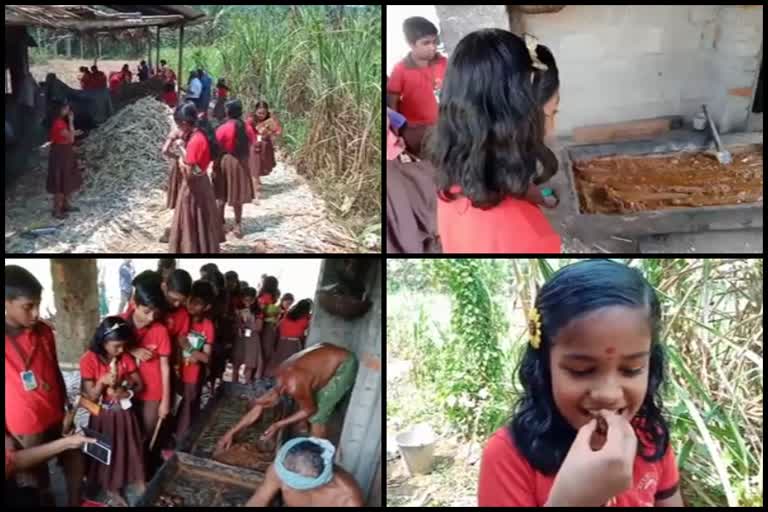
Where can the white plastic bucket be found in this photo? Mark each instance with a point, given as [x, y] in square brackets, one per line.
[417, 448]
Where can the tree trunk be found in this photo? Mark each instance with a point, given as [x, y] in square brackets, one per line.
[76, 298]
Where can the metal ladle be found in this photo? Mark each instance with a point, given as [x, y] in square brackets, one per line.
[723, 155]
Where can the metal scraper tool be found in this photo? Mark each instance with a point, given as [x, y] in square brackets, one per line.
[723, 156]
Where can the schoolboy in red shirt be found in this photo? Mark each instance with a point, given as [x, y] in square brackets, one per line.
[35, 393]
[414, 86]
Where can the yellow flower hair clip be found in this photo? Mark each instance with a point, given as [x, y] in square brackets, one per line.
[534, 327]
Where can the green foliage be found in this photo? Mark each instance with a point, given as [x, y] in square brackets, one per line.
[468, 373]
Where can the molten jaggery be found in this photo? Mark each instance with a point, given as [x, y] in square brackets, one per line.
[626, 184]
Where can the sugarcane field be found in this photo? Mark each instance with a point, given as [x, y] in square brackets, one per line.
[193, 129]
[193, 382]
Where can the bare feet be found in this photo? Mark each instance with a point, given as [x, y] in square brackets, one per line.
[116, 499]
[140, 488]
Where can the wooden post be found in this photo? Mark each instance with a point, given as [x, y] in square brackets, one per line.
[69, 47]
[179, 74]
[82, 45]
[76, 298]
[157, 48]
[149, 50]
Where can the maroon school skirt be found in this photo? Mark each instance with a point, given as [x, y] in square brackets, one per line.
[284, 348]
[414, 137]
[268, 339]
[196, 226]
[175, 179]
[127, 464]
[219, 181]
[262, 158]
[239, 189]
[218, 109]
[247, 351]
[63, 174]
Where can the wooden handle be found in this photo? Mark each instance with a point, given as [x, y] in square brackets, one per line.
[154, 436]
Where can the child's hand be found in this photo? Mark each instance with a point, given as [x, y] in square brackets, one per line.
[591, 478]
[108, 379]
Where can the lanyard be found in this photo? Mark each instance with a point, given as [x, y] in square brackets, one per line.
[26, 360]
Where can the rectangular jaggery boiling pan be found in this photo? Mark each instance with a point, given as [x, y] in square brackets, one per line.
[201, 482]
[221, 413]
[589, 226]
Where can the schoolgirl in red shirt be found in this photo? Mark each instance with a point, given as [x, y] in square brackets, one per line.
[63, 175]
[488, 200]
[222, 91]
[110, 377]
[292, 334]
[247, 349]
[202, 332]
[196, 226]
[268, 130]
[267, 299]
[587, 429]
[286, 301]
[235, 138]
[152, 351]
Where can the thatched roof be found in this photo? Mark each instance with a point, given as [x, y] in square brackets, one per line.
[86, 18]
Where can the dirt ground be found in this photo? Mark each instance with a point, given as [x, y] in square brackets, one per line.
[453, 480]
[289, 217]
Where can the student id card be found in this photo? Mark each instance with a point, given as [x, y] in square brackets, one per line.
[29, 380]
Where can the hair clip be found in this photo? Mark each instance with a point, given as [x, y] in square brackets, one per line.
[534, 327]
[532, 43]
[113, 328]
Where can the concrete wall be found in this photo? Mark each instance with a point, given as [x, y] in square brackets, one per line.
[627, 62]
[360, 442]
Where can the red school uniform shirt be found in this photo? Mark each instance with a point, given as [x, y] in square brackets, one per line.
[226, 135]
[86, 81]
[59, 133]
[177, 322]
[221, 92]
[190, 373]
[265, 299]
[417, 88]
[293, 328]
[507, 479]
[198, 151]
[153, 337]
[115, 79]
[170, 98]
[92, 367]
[33, 412]
[513, 226]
